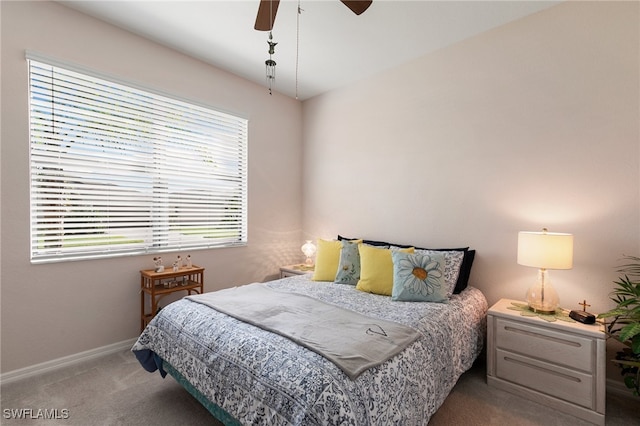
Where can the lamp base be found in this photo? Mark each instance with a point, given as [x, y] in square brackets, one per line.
[539, 310]
[542, 297]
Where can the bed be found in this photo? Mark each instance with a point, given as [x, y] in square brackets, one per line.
[245, 374]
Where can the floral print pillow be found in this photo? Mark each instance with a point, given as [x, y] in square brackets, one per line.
[419, 277]
[349, 265]
[452, 266]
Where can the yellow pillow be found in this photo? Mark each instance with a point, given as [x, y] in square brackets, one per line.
[376, 269]
[327, 260]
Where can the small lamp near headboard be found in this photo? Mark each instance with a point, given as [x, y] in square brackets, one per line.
[309, 249]
[544, 250]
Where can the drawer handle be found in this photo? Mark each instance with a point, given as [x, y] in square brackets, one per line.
[542, 336]
[555, 373]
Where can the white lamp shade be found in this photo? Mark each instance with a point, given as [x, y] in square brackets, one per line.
[546, 250]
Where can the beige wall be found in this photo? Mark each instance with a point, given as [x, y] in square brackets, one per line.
[532, 124]
[51, 311]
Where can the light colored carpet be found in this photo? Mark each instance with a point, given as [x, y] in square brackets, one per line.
[115, 390]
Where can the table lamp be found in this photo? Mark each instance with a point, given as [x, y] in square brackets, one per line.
[544, 250]
[309, 249]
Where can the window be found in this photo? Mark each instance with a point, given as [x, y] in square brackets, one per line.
[116, 170]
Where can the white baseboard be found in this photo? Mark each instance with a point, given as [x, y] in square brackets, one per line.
[66, 361]
[616, 387]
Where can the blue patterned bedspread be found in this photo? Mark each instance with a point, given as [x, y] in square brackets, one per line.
[262, 378]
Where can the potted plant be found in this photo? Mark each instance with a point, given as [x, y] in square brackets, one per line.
[623, 322]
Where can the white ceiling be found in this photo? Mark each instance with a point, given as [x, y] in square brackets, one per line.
[335, 48]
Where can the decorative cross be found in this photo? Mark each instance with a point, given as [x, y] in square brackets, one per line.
[584, 305]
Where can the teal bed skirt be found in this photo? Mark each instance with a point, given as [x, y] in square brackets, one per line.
[217, 412]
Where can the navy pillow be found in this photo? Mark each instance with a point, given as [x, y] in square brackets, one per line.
[369, 242]
[465, 271]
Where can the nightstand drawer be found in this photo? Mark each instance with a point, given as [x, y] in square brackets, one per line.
[560, 348]
[569, 385]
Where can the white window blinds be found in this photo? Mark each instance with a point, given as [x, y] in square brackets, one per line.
[116, 170]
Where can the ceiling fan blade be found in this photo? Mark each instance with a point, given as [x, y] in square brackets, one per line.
[266, 15]
[357, 6]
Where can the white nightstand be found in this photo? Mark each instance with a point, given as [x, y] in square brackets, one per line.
[559, 364]
[298, 269]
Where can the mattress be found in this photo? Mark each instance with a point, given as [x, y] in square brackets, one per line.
[247, 375]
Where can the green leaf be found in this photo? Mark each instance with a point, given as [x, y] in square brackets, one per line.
[629, 331]
[630, 382]
[635, 344]
[625, 362]
[613, 313]
[626, 303]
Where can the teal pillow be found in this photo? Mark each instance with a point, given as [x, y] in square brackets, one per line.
[349, 265]
[419, 277]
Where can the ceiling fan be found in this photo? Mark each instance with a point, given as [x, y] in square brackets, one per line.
[268, 8]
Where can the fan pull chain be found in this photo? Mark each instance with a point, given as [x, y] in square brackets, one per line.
[297, 44]
[270, 63]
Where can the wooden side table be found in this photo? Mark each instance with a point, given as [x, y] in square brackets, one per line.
[297, 269]
[156, 285]
[558, 364]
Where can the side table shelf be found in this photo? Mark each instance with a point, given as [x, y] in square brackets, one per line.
[156, 285]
